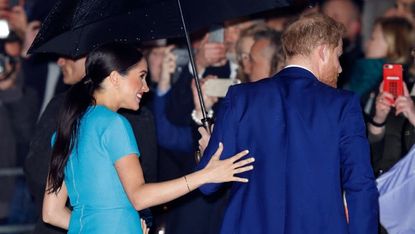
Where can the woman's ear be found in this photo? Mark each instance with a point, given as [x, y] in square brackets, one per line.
[114, 78]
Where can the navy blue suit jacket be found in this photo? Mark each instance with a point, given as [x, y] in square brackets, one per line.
[309, 143]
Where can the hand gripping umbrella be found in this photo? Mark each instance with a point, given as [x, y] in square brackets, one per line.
[75, 27]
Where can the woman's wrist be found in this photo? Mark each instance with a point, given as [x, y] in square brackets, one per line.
[197, 179]
[164, 84]
[378, 122]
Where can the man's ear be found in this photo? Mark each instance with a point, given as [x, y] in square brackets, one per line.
[323, 52]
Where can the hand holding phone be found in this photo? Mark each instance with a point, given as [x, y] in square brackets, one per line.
[182, 56]
[393, 80]
[219, 87]
[216, 34]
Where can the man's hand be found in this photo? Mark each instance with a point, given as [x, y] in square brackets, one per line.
[204, 139]
[17, 19]
[210, 54]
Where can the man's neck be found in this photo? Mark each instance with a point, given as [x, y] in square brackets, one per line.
[304, 62]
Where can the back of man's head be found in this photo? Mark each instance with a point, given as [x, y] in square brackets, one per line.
[309, 32]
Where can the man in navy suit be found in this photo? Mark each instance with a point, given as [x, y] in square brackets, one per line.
[308, 139]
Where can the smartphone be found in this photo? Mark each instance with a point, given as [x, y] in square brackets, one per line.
[182, 56]
[216, 34]
[392, 79]
[219, 87]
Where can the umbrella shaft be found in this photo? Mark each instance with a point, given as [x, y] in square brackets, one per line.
[193, 65]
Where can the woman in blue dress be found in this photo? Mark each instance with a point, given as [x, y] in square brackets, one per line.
[95, 156]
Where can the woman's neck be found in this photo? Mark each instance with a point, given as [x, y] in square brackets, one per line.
[105, 99]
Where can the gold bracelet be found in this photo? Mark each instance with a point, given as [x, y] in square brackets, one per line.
[187, 184]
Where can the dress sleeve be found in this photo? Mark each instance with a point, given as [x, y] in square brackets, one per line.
[119, 140]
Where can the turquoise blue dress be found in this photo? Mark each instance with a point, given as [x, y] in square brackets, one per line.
[100, 204]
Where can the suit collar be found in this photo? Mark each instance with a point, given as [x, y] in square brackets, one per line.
[296, 72]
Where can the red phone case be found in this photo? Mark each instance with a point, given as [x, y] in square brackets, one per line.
[392, 79]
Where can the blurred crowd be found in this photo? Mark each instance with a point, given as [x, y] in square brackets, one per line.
[240, 50]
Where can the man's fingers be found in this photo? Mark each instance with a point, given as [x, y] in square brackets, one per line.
[387, 95]
[202, 131]
[381, 87]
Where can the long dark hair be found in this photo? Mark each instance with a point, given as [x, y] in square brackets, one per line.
[99, 64]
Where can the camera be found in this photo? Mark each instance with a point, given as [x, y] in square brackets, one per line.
[7, 62]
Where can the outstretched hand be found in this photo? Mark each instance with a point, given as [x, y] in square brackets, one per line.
[219, 171]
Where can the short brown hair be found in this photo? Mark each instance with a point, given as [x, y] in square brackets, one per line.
[399, 36]
[310, 31]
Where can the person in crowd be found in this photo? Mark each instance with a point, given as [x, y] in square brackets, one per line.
[264, 60]
[391, 128]
[41, 71]
[402, 8]
[266, 57]
[95, 155]
[243, 47]
[308, 139]
[348, 13]
[19, 16]
[17, 121]
[232, 33]
[391, 42]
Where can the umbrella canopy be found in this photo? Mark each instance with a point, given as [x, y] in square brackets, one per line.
[74, 27]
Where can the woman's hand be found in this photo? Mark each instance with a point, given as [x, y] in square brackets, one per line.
[168, 66]
[405, 105]
[144, 227]
[384, 103]
[219, 171]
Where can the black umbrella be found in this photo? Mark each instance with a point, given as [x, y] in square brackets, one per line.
[75, 27]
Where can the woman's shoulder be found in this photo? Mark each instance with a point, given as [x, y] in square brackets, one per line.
[101, 115]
